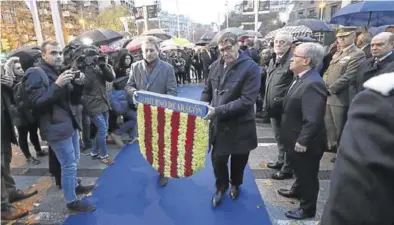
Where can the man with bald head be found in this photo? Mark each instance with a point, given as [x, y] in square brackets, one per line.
[382, 55]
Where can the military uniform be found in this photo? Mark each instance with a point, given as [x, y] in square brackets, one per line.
[342, 69]
[362, 187]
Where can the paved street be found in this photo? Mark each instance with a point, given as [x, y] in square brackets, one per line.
[48, 206]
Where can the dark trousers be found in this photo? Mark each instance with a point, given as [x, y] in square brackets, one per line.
[23, 131]
[112, 125]
[306, 185]
[198, 73]
[181, 77]
[86, 132]
[7, 181]
[282, 155]
[220, 169]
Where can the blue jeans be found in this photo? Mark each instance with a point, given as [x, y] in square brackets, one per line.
[67, 152]
[100, 143]
[129, 127]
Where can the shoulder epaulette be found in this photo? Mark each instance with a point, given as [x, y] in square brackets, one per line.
[383, 84]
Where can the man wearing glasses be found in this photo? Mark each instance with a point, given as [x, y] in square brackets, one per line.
[303, 112]
[232, 88]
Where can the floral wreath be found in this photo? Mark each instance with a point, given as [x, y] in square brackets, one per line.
[174, 143]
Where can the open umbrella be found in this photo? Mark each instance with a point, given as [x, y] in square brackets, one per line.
[203, 42]
[99, 36]
[157, 33]
[31, 51]
[170, 48]
[313, 24]
[251, 33]
[27, 55]
[366, 13]
[295, 31]
[136, 43]
[208, 36]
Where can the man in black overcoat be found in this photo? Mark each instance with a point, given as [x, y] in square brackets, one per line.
[232, 88]
[362, 183]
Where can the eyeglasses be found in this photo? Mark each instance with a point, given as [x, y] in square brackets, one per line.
[226, 49]
[300, 56]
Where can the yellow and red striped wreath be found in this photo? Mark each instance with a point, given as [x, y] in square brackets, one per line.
[174, 143]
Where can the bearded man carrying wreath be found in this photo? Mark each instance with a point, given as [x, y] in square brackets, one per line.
[151, 74]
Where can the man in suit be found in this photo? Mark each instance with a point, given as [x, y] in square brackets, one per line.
[207, 59]
[342, 69]
[361, 190]
[364, 43]
[279, 78]
[302, 128]
[231, 90]
[382, 56]
[151, 74]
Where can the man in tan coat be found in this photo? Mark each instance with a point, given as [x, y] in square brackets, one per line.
[343, 67]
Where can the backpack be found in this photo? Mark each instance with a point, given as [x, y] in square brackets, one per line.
[20, 95]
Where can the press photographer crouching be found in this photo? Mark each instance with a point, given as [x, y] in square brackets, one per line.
[55, 96]
[95, 99]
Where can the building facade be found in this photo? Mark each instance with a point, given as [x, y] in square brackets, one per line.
[169, 23]
[317, 9]
[107, 3]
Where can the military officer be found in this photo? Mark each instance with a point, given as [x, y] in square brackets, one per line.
[343, 67]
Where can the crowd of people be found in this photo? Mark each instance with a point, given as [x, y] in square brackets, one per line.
[303, 90]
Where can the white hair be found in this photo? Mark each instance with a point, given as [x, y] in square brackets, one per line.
[285, 36]
[313, 51]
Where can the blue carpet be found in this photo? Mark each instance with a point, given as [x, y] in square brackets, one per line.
[128, 194]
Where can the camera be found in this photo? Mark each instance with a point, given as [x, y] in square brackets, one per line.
[77, 74]
[101, 60]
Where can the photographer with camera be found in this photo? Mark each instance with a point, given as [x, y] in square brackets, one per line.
[95, 99]
[56, 98]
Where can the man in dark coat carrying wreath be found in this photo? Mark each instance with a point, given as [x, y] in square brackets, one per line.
[231, 89]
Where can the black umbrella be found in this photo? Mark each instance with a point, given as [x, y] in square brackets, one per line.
[202, 42]
[157, 33]
[99, 36]
[313, 24]
[208, 36]
[31, 50]
[27, 55]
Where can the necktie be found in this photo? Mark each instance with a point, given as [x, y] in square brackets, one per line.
[375, 64]
[296, 78]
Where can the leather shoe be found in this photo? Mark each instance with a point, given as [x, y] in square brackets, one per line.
[281, 176]
[19, 195]
[300, 214]
[288, 193]
[217, 199]
[234, 192]
[275, 165]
